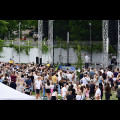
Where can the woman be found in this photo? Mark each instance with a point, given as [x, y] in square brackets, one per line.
[107, 92]
[54, 95]
[79, 95]
[118, 92]
[87, 90]
[48, 89]
[52, 87]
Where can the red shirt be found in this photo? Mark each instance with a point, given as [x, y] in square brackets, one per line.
[13, 77]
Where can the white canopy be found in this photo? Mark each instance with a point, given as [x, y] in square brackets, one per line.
[8, 93]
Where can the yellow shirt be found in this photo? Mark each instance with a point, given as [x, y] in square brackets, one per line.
[48, 65]
[10, 61]
[54, 79]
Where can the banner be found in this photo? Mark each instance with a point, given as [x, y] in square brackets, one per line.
[67, 68]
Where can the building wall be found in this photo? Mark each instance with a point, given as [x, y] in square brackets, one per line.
[60, 55]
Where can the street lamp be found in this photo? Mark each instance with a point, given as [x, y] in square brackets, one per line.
[19, 41]
[90, 45]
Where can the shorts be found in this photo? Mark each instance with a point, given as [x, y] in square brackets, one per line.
[37, 91]
[48, 91]
[53, 97]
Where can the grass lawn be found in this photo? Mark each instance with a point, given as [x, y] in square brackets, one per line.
[113, 93]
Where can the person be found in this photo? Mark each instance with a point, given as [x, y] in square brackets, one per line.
[69, 96]
[13, 76]
[54, 79]
[107, 92]
[87, 90]
[86, 61]
[52, 87]
[32, 79]
[97, 92]
[28, 81]
[111, 82]
[37, 86]
[44, 81]
[91, 72]
[109, 73]
[92, 90]
[13, 84]
[27, 89]
[118, 92]
[19, 84]
[73, 91]
[48, 89]
[54, 95]
[79, 95]
[5, 81]
[63, 92]
[85, 80]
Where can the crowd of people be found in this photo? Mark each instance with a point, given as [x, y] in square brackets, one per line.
[46, 81]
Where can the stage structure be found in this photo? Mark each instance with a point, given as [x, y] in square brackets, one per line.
[105, 42]
[118, 58]
[50, 41]
[40, 34]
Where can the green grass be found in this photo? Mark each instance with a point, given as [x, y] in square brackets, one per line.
[113, 93]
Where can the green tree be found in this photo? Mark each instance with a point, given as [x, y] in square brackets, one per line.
[3, 28]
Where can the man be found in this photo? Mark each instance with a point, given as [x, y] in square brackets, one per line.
[97, 93]
[54, 79]
[70, 96]
[109, 73]
[92, 90]
[85, 80]
[86, 61]
[69, 76]
[13, 76]
[91, 72]
[37, 86]
[64, 92]
[13, 84]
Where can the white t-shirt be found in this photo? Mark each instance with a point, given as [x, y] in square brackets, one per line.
[35, 77]
[79, 97]
[109, 73]
[47, 86]
[85, 80]
[70, 77]
[86, 59]
[59, 78]
[98, 92]
[64, 90]
[54, 93]
[52, 86]
[37, 84]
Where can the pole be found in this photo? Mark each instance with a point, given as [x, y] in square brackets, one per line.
[118, 58]
[90, 45]
[67, 47]
[12, 50]
[105, 24]
[19, 41]
[40, 34]
[50, 39]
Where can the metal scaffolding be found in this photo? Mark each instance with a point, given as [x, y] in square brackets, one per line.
[40, 34]
[118, 59]
[50, 41]
[105, 42]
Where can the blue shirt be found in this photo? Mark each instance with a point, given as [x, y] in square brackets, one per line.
[100, 81]
[28, 82]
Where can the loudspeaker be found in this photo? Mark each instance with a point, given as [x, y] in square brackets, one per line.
[40, 61]
[67, 64]
[37, 60]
